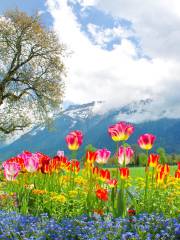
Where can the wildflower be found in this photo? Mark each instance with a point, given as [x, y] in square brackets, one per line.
[124, 173]
[11, 170]
[120, 131]
[80, 180]
[39, 192]
[102, 194]
[99, 211]
[59, 198]
[131, 212]
[124, 155]
[73, 193]
[74, 140]
[29, 186]
[153, 160]
[146, 141]
[102, 156]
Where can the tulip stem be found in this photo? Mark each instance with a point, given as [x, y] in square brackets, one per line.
[146, 181]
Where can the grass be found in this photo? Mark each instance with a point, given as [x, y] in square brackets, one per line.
[140, 171]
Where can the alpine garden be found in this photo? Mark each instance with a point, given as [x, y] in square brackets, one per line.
[45, 197]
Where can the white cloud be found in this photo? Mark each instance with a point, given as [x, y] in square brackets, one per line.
[102, 36]
[119, 76]
[156, 22]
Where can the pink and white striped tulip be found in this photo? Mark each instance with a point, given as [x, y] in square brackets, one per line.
[11, 170]
[124, 155]
[31, 162]
[102, 156]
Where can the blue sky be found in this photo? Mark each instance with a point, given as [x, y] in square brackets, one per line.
[121, 50]
[29, 6]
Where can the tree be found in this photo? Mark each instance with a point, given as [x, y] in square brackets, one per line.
[162, 152]
[31, 71]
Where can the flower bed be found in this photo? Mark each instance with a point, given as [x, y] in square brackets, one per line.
[73, 192]
[143, 226]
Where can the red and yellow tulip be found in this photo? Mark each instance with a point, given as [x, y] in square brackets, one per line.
[74, 140]
[153, 160]
[120, 131]
[146, 141]
[124, 173]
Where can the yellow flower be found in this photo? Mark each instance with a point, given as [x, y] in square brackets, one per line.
[59, 198]
[39, 191]
[80, 180]
[73, 193]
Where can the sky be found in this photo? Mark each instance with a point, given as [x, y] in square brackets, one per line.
[119, 51]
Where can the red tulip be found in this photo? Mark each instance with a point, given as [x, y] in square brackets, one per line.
[102, 194]
[120, 131]
[153, 160]
[124, 155]
[91, 157]
[124, 173]
[177, 174]
[165, 169]
[95, 171]
[160, 177]
[146, 141]
[112, 183]
[104, 174]
[178, 165]
[74, 140]
[75, 166]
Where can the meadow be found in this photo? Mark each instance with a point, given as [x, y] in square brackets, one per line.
[61, 198]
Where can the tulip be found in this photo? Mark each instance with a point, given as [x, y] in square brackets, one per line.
[165, 169]
[18, 160]
[102, 156]
[146, 141]
[178, 165]
[31, 162]
[153, 160]
[177, 174]
[74, 140]
[74, 166]
[95, 171]
[91, 157]
[11, 170]
[160, 177]
[124, 155]
[102, 194]
[104, 174]
[120, 131]
[112, 183]
[124, 173]
[60, 153]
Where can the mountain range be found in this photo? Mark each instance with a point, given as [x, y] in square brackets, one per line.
[94, 125]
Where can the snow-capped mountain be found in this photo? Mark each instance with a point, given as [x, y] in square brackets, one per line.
[93, 119]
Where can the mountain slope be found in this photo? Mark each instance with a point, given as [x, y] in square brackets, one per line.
[94, 127]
